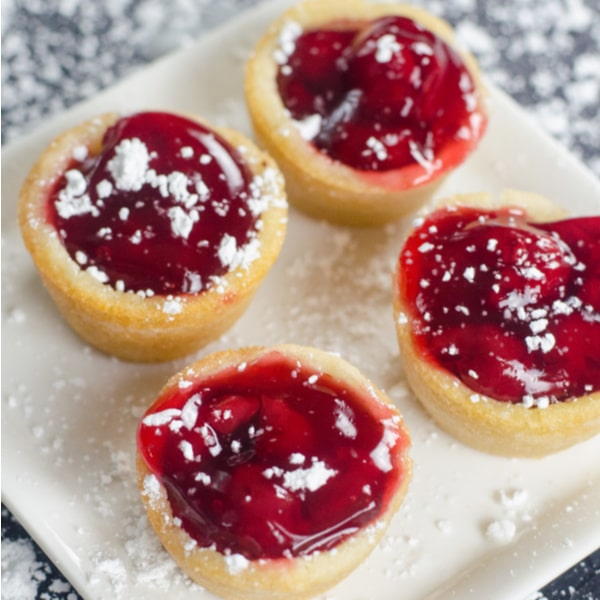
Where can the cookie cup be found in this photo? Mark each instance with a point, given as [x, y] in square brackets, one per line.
[282, 578]
[316, 184]
[490, 425]
[150, 329]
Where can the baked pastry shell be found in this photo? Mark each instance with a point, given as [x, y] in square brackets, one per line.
[316, 184]
[490, 425]
[124, 324]
[277, 579]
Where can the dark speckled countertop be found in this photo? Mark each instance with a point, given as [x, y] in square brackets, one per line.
[544, 53]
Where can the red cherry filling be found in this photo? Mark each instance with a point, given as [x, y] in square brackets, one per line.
[379, 95]
[163, 209]
[273, 460]
[318, 58]
[511, 308]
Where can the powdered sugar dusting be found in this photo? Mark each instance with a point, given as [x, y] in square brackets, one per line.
[236, 563]
[129, 165]
[343, 419]
[514, 498]
[309, 127]
[161, 418]
[502, 531]
[24, 577]
[19, 570]
[73, 199]
[311, 479]
[189, 412]
[387, 45]
[303, 479]
[172, 306]
[381, 453]
[286, 42]
[151, 489]
[234, 257]
[187, 450]
[181, 221]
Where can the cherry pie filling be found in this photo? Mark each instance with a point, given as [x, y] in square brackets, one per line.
[379, 95]
[270, 459]
[511, 308]
[164, 208]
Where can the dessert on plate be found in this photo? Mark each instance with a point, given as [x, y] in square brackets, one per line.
[497, 307]
[152, 231]
[271, 472]
[365, 107]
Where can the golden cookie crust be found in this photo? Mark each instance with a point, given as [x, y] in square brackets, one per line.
[124, 324]
[316, 184]
[276, 579]
[489, 425]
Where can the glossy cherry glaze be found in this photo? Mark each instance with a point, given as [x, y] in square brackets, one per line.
[379, 95]
[511, 308]
[157, 202]
[272, 460]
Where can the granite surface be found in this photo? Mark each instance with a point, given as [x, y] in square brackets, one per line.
[545, 53]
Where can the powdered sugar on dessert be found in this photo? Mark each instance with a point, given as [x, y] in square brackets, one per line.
[236, 563]
[381, 454]
[297, 458]
[130, 171]
[299, 480]
[182, 222]
[72, 199]
[151, 489]
[129, 166]
[309, 127]
[161, 418]
[287, 42]
[310, 479]
[189, 412]
[233, 257]
[343, 419]
[172, 306]
[386, 46]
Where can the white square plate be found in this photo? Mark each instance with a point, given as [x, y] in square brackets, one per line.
[70, 413]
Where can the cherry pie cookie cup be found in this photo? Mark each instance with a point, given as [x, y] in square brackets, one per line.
[271, 472]
[152, 231]
[365, 107]
[497, 309]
